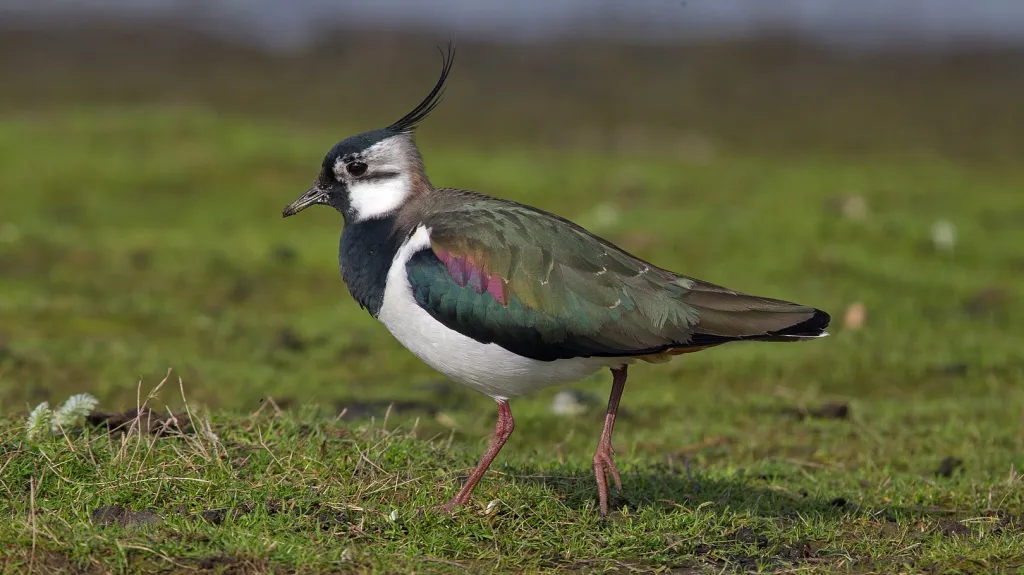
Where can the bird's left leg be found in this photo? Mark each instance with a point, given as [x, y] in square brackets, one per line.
[603, 463]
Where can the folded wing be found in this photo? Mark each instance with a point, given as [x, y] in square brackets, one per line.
[542, 287]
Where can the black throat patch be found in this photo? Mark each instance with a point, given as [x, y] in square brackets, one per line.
[365, 255]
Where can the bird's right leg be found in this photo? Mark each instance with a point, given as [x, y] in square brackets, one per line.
[604, 464]
[502, 431]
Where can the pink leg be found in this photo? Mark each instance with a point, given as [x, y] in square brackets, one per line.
[603, 464]
[502, 431]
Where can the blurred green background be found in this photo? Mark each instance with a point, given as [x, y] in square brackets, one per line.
[143, 170]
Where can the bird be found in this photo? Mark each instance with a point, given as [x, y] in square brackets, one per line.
[506, 298]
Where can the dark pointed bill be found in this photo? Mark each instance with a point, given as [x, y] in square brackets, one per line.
[314, 195]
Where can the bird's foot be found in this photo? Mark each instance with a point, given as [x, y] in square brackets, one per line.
[603, 460]
[604, 466]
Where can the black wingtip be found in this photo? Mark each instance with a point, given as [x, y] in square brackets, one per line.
[409, 122]
[812, 327]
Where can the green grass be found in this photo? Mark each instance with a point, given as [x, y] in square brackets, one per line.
[142, 239]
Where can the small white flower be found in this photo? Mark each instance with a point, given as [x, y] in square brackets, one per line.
[854, 208]
[73, 412]
[570, 402]
[603, 216]
[208, 431]
[944, 235]
[492, 506]
[39, 420]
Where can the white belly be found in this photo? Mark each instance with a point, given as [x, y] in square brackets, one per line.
[488, 368]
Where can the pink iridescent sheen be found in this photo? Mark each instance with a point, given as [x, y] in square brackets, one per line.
[465, 273]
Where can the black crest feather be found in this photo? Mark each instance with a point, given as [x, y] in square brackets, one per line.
[417, 115]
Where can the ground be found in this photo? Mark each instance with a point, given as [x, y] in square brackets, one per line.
[293, 434]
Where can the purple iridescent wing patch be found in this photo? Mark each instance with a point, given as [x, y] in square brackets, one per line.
[466, 273]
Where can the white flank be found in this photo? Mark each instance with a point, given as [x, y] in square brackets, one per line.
[377, 199]
[488, 368]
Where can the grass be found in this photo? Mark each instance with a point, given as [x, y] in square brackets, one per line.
[300, 492]
[142, 238]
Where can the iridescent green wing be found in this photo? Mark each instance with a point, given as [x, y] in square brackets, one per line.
[544, 288]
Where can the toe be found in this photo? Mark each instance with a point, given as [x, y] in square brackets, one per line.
[615, 477]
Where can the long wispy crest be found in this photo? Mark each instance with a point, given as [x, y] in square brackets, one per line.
[409, 121]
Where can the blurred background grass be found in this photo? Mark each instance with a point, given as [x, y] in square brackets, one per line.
[143, 167]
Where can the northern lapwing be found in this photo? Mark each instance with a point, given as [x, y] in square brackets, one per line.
[507, 298]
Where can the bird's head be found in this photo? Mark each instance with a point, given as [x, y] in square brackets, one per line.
[371, 175]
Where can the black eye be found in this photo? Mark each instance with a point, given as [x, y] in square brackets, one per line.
[356, 168]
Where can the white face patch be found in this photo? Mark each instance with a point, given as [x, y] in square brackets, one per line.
[372, 199]
[385, 186]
